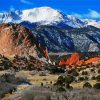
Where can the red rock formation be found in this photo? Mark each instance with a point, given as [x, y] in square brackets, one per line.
[80, 62]
[75, 57]
[92, 60]
[75, 60]
[62, 62]
[45, 51]
[17, 40]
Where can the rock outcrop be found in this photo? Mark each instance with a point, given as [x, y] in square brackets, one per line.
[76, 59]
[18, 40]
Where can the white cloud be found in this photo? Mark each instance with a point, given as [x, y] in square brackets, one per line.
[77, 15]
[26, 2]
[12, 8]
[92, 14]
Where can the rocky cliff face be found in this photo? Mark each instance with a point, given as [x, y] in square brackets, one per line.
[18, 40]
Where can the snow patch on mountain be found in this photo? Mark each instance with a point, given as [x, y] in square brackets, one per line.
[43, 16]
[93, 47]
[92, 23]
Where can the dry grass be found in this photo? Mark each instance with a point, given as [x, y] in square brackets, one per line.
[33, 92]
[79, 85]
[36, 79]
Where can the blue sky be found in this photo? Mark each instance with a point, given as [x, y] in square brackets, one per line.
[80, 8]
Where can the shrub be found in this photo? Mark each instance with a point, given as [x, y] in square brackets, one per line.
[5, 63]
[68, 86]
[64, 82]
[60, 80]
[81, 78]
[93, 78]
[86, 78]
[98, 78]
[6, 88]
[41, 84]
[84, 73]
[87, 84]
[92, 70]
[97, 86]
[69, 79]
[99, 71]
[50, 82]
[11, 78]
[55, 69]
[73, 72]
[61, 89]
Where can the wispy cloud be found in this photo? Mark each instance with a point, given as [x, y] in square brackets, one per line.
[26, 2]
[12, 8]
[77, 15]
[92, 14]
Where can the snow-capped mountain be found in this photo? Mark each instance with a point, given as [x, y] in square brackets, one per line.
[57, 31]
[92, 23]
[43, 16]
